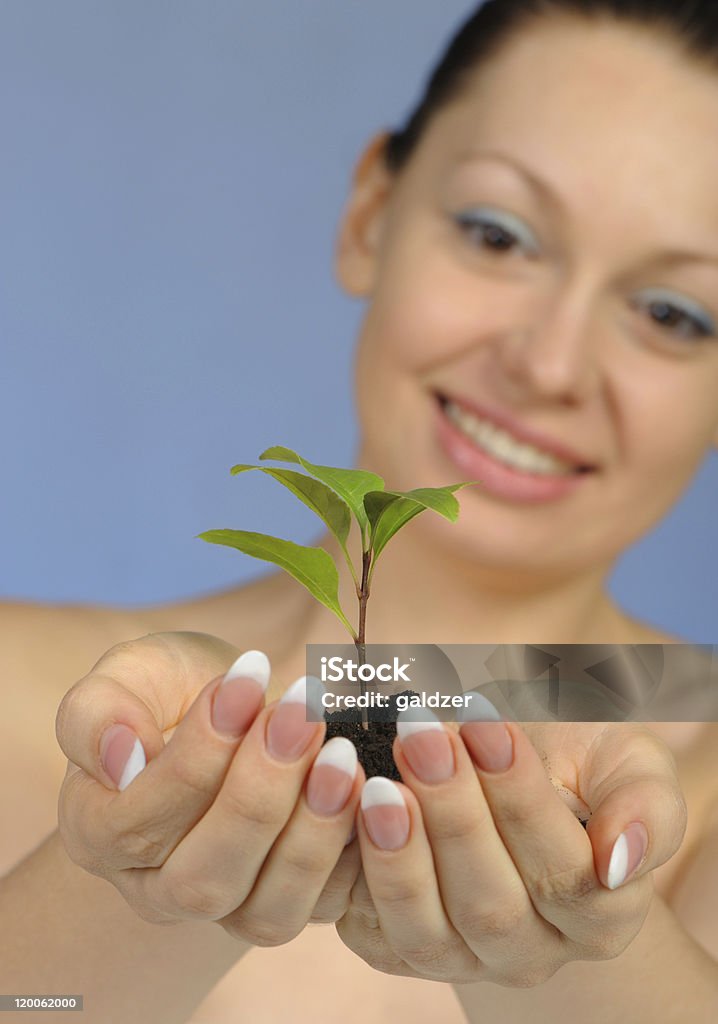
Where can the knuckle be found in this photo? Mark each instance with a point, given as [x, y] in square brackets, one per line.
[432, 958]
[191, 899]
[362, 908]
[563, 888]
[369, 945]
[258, 930]
[152, 914]
[77, 853]
[78, 846]
[63, 713]
[518, 815]
[251, 809]
[397, 892]
[454, 827]
[494, 923]
[139, 893]
[150, 911]
[335, 898]
[328, 911]
[303, 861]
[140, 848]
[190, 775]
[531, 976]
[68, 709]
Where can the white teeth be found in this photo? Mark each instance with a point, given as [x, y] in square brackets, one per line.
[503, 447]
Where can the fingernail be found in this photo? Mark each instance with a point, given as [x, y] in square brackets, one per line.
[627, 854]
[288, 732]
[332, 776]
[122, 755]
[489, 744]
[425, 745]
[251, 665]
[385, 813]
[238, 696]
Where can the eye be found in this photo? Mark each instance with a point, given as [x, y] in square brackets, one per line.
[677, 316]
[496, 232]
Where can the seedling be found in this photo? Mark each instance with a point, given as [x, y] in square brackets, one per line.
[335, 495]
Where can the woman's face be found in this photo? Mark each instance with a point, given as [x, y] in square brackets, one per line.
[548, 259]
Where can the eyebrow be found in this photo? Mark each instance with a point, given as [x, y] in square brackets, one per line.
[551, 194]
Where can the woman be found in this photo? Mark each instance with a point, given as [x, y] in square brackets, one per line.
[537, 253]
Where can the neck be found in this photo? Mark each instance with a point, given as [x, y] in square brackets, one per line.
[420, 595]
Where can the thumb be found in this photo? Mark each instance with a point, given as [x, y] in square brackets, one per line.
[139, 689]
[639, 813]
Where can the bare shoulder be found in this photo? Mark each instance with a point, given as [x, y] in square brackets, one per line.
[45, 649]
[638, 632]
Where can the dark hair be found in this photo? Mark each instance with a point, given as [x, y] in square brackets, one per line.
[693, 24]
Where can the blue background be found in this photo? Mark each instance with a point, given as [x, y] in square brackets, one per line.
[171, 180]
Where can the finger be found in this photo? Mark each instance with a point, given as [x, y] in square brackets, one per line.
[147, 684]
[639, 811]
[215, 866]
[399, 869]
[335, 897]
[303, 858]
[360, 930]
[482, 890]
[108, 830]
[551, 851]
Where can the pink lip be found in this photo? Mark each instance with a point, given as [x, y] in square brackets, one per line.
[521, 433]
[496, 478]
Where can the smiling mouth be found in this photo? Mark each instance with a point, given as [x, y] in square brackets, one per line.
[503, 446]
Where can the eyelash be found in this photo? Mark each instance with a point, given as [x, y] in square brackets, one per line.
[699, 330]
[468, 223]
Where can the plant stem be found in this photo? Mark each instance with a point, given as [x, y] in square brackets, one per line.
[363, 595]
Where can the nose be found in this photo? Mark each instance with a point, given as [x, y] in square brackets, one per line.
[555, 356]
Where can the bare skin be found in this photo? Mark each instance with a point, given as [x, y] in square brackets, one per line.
[504, 573]
[241, 617]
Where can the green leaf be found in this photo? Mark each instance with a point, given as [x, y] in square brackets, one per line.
[312, 567]
[321, 499]
[349, 484]
[388, 511]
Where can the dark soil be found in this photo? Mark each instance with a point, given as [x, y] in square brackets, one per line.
[373, 745]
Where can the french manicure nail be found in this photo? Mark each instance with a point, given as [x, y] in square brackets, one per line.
[332, 776]
[237, 698]
[122, 754]
[489, 744]
[627, 854]
[425, 744]
[250, 665]
[385, 813]
[288, 732]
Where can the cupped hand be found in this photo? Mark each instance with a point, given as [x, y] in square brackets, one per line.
[229, 811]
[487, 875]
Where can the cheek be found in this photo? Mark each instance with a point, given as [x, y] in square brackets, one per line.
[427, 310]
[668, 432]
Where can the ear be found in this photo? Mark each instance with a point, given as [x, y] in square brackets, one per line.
[362, 225]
